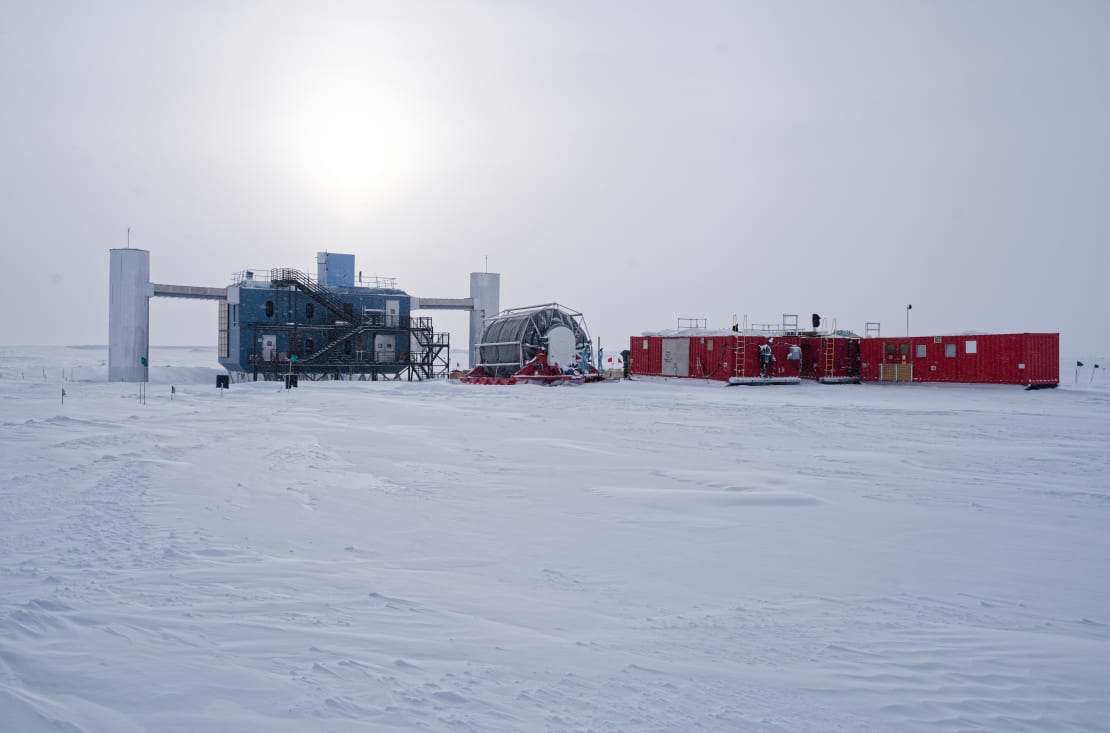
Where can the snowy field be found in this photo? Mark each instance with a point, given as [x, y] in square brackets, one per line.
[635, 556]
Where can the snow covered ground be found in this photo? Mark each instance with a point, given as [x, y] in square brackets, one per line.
[616, 557]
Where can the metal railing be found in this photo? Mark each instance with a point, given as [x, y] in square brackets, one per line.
[308, 285]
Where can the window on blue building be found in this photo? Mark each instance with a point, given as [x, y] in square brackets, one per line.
[269, 309]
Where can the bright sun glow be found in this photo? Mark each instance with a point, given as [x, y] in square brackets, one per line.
[357, 147]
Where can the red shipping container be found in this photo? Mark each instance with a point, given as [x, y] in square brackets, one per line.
[830, 358]
[713, 355]
[1031, 359]
[692, 355]
[710, 356]
[785, 350]
[645, 356]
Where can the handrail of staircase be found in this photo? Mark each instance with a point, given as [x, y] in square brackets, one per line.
[309, 285]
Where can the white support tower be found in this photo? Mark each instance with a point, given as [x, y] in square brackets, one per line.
[485, 293]
[129, 292]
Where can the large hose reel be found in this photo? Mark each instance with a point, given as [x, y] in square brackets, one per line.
[513, 338]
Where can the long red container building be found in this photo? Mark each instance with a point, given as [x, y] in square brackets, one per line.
[722, 355]
[1031, 359]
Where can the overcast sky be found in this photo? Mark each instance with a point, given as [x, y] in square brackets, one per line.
[638, 161]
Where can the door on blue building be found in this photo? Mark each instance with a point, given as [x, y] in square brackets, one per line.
[269, 346]
[385, 348]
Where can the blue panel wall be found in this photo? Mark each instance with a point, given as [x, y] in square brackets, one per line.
[339, 270]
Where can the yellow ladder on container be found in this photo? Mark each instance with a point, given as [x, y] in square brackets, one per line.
[830, 356]
[738, 354]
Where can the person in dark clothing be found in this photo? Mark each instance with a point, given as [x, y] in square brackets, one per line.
[765, 359]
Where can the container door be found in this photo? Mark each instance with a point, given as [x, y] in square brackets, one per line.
[897, 365]
[269, 347]
[385, 348]
[392, 313]
[676, 357]
[1039, 358]
[968, 363]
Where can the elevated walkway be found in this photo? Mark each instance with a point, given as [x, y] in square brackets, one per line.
[190, 292]
[442, 304]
